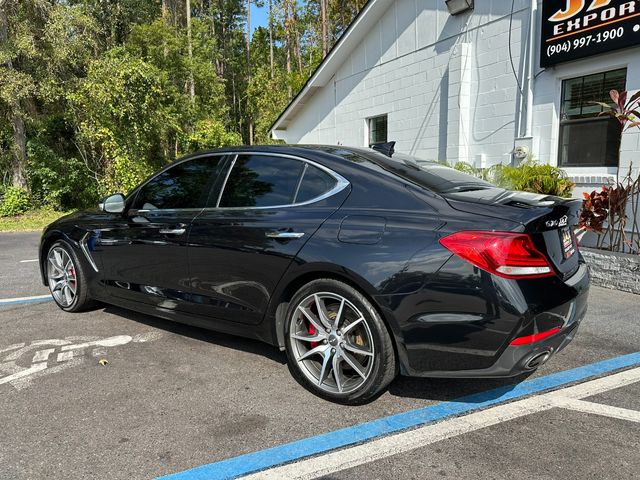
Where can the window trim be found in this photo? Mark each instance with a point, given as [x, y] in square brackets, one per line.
[341, 182]
[369, 130]
[568, 122]
[134, 194]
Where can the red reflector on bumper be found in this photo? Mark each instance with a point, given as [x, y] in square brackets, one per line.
[534, 338]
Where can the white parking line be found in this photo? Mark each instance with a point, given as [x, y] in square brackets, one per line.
[600, 409]
[29, 261]
[407, 441]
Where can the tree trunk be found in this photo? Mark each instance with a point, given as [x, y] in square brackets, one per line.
[324, 27]
[271, 37]
[249, 69]
[192, 84]
[18, 174]
[19, 147]
[287, 31]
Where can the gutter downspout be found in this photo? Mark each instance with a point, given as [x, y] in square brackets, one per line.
[531, 67]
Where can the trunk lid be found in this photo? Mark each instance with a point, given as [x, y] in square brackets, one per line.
[548, 219]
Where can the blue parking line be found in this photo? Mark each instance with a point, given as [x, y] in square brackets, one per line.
[297, 450]
[17, 301]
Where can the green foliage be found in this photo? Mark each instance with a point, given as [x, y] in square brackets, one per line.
[14, 202]
[95, 95]
[210, 134]
[57, 182]
[529, 176]
[534, 177]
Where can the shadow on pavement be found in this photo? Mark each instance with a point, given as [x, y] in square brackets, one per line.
[221, 339]
[434, 389]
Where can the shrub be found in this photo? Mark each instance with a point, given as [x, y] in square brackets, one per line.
[15, 201]
[534, 177]
[59, 183]
[529, 176]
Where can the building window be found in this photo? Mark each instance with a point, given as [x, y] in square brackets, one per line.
[588, 139]
[378, 130]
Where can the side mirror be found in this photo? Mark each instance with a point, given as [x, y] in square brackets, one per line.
[113, 203]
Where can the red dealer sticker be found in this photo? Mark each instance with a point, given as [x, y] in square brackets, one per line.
[573, 29]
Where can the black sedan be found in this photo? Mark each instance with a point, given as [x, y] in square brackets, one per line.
[360, 265]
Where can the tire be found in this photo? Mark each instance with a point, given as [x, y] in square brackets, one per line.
[64, 270]
[356, 352]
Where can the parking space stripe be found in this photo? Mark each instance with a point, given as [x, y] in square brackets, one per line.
[17, 300]
[320, 444]
[601, 409]
[427, 435]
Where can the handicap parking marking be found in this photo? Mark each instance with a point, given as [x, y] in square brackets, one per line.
[46, 361]
[19, 300]
[383, 430]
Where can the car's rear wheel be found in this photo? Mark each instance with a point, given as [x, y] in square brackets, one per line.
[337, 345]
[66, 278]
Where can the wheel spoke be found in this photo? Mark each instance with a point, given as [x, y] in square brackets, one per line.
[355, 349]
[320, 329]
[322, 311]
[337, 372]
[319, 350]
[55, 267]
[57, 285]
[336, 322]
[68, 297]
[72, 287]
[324, 371]
[58, 259]
[353, 363]
[353, 324]
[308, 338]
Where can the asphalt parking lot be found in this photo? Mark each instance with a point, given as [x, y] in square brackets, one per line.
[170, 398]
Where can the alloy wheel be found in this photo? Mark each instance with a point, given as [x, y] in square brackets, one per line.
[61, 273]
[332, 342]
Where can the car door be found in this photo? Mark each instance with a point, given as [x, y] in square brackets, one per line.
[144, 254]
[241, 246]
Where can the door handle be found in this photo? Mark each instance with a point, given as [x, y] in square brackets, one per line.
[284, 235]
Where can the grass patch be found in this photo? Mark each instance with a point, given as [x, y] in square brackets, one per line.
[31, 221]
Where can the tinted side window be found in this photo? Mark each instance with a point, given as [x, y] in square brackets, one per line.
[261, 181]
[314, 183]
[182, 186]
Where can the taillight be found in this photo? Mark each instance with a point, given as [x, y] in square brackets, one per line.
[507, 254]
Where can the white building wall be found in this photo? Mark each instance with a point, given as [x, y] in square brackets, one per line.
[448, 86]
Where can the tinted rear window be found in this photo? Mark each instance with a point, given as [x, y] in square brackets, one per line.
[430, 175]
[314, 184]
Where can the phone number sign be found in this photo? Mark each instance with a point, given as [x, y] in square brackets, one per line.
[573, 29]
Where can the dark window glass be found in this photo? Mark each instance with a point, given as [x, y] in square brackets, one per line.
[378, 130]
[262, 181]
[184, 185]
[315, 182]
[430, 175]
[586, 138]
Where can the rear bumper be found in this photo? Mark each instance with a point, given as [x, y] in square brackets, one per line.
[515, 360]
[470, 333]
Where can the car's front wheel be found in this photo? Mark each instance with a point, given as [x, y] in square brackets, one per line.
[67, 279]
[337, 345]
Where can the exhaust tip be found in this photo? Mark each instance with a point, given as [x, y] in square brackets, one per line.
[537, 360]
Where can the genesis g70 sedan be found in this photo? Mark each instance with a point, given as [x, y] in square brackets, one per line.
[358, 264]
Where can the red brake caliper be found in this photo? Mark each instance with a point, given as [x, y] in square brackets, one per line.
[312, 331]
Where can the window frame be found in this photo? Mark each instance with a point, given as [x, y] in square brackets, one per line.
[563, 123]
[370, 121]
[131, 199]
[341, 182]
